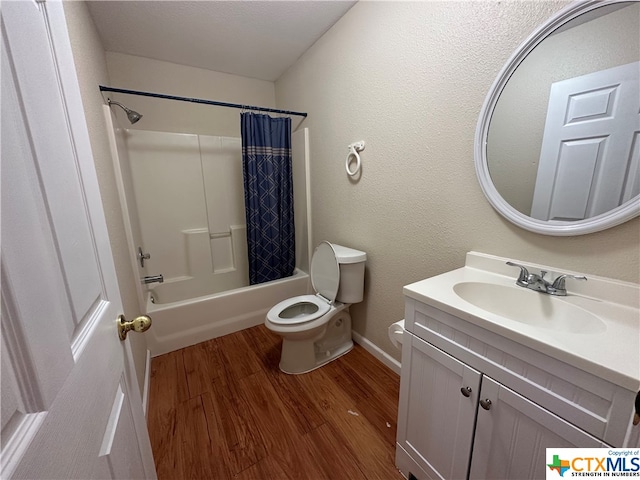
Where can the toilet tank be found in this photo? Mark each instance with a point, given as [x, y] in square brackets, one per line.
[351, 262]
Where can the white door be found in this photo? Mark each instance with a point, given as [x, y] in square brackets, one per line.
[590, 156]
[70, 408]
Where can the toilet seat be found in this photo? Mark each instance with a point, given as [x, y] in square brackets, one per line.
[325, 279]
[297, 310]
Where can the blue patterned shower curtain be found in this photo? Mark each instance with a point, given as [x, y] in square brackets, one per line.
[268, 196]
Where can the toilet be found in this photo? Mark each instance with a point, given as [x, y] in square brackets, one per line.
[316, 329]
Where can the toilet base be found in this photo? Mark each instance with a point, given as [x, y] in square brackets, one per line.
[302, 356]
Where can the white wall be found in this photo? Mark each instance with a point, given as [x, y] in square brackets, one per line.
[410, 78]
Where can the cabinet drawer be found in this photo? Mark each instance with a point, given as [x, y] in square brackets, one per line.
[595, 405]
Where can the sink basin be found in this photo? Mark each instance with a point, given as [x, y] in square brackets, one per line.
[529, 307]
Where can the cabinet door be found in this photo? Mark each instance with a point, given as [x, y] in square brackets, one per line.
[436, 420]
[512, 435]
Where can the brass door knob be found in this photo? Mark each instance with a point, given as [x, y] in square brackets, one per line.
[138, 324]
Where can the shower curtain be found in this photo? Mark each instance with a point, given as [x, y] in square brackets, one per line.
[268, 196]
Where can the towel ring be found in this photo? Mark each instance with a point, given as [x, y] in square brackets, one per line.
[354, 148]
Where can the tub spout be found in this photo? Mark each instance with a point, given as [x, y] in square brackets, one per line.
[152, 279]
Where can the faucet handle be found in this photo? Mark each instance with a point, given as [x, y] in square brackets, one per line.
[142, 256]
[558, 287]
[523, 278]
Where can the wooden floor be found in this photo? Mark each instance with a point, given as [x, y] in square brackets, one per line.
[223, 410]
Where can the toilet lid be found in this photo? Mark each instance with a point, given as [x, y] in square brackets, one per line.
[325, 272]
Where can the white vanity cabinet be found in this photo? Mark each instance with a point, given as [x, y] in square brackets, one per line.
[476, 405]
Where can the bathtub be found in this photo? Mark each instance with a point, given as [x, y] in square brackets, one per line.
[183, 323]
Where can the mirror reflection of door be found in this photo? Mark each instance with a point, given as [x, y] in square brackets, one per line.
[590, 155]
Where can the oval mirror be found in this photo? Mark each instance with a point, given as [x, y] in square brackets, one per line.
[558, 139]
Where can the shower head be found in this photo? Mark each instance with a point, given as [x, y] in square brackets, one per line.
[131, 115]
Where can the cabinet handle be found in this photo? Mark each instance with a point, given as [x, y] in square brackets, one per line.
[466, 391]
[486, 404]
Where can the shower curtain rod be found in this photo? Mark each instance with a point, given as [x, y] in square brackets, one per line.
[199, 100]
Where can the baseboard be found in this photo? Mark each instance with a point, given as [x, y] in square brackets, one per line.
[147, 379]
[377, 352]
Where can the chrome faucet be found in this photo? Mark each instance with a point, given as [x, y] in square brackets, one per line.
[537, 282]
[152, 279]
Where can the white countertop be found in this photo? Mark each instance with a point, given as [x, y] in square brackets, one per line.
[613, 354]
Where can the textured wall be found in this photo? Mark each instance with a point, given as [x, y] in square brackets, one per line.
[139, 73]
[91, 68]
[410, 80]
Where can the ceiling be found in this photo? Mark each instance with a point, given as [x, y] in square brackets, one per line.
[257, 39]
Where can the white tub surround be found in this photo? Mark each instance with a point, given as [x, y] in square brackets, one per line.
[171, 188]
[190, 208]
